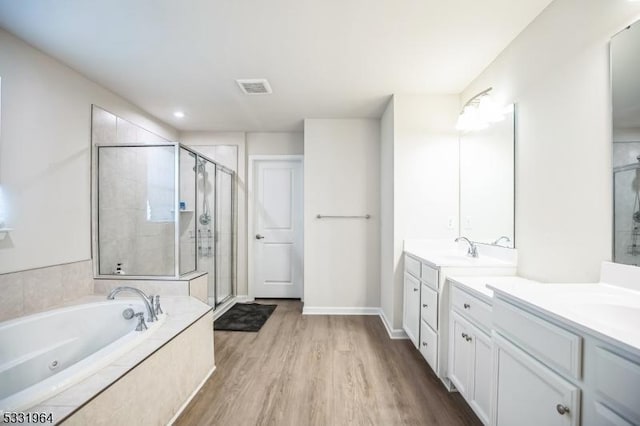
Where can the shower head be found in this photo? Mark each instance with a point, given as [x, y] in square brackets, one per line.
[199, 167]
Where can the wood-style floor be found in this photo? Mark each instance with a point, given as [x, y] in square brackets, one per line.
[321, 370]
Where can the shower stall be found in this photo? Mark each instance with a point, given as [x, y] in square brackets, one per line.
[626, 193]
[164, 211]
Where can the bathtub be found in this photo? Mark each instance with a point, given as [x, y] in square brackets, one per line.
[45, 353]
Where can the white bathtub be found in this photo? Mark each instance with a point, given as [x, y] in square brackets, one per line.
[45, 353]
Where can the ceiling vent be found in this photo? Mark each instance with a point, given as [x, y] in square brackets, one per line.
[254, 86]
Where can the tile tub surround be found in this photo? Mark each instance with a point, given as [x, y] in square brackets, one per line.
[194, 284]
[35, 290]
[139, 382]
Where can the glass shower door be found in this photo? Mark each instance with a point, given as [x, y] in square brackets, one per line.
[224, 235]
[205, 233]
[627, 214]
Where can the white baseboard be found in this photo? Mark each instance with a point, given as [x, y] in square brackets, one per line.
[319, 310]
[243, 298]
[193, 394]
[394, 333]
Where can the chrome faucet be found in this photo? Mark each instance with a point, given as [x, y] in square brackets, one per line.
[473, 249]
[151, 314]
[503, 238]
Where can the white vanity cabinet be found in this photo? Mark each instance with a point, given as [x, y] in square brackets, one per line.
[411, 313]
[470, 349]
[425, 316]
[537, 368]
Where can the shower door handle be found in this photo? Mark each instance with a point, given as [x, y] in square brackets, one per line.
[259, 237]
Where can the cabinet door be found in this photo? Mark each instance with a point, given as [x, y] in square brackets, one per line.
[527, 393]
[411, 312]
[460, 352]
[481, 374]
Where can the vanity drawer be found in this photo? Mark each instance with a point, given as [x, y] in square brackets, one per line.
[429, 345]
[429, 306]
[606, 417]
[553, 345]
[412, 266]
[472, 308]
[617, 381]
[429, 276]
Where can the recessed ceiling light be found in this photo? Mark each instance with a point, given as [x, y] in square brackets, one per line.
[178, 114]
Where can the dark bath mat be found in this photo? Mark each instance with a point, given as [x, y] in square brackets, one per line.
[244, 317]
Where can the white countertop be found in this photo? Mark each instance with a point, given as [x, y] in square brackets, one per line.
[608, 312]
[445, 253]
[479, 285]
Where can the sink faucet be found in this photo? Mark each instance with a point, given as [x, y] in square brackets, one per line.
[150, 310]
[503, 238]
[473, 249]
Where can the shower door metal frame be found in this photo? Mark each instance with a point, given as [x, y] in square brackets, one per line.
[95, 196]
[232, 257]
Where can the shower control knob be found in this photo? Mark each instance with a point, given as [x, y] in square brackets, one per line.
[259, 237]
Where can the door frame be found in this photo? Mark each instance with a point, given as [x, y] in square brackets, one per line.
[253, 159]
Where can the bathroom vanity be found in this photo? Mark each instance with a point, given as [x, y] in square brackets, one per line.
[526, 353]
[427, 264]
[576, 347]
[470, 363]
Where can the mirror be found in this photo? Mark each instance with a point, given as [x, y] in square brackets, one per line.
[625, 72]
[487, 175]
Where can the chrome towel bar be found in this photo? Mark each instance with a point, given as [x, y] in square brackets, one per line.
[323, 216]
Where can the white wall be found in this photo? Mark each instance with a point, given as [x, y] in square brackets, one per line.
[196, 139]
[45, 155]
[275, 143]
[557, 71]
[387, 245]
[420, 157]
[342, 177]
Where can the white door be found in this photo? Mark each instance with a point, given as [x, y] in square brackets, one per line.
[482, 371]
[277, 228]
[527, 393]
[460, 346]
[411, 311]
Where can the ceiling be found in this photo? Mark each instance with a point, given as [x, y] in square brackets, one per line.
[323, 58]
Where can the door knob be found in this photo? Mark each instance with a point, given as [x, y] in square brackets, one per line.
[562, 409]
[259, 237]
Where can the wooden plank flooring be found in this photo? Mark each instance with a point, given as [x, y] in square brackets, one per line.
[321, 370]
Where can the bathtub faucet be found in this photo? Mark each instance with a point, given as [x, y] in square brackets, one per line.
[151, 315]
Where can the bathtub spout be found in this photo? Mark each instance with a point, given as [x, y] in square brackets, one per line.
[151, 315]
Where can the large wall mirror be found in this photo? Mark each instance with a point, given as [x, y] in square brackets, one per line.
[487, 174]
[625, 72]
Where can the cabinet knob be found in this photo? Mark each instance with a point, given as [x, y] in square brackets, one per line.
[416, 289]
[562, 409]
[467, 306]
[424, 344]
[424, 305]
[465, 335]
[468, 338]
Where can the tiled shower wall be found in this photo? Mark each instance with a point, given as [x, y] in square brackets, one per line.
[143, 245]
[24, 293]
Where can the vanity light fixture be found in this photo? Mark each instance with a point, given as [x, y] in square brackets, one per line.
[178, 114]
[480, 111]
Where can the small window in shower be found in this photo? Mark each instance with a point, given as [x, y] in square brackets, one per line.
[160, 186]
